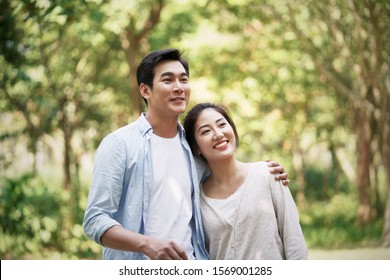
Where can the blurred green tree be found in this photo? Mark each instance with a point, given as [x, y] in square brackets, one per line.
[348, 43]
[53, 61]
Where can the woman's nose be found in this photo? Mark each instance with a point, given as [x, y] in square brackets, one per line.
[217, 135]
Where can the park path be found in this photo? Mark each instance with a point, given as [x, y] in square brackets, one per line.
[351, 254]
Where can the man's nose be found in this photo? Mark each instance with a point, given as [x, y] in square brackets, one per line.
[178, 87]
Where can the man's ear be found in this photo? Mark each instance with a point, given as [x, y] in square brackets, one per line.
[145, 91]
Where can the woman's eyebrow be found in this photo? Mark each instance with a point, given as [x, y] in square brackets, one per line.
[203, 126]
[206, 125]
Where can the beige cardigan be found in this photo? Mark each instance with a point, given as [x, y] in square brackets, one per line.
[266, 223]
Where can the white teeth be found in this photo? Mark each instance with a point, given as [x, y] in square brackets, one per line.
[220, 144]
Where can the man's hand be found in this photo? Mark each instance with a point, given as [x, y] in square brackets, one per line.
[119, 238]
[163, 250]
[279, 172]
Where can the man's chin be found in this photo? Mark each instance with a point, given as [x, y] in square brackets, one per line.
[180, 109]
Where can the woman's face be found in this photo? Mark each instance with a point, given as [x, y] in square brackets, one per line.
[214, 136]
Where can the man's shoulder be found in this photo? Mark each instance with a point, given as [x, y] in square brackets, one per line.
[140, 126]
[129, 128]
[124, 135]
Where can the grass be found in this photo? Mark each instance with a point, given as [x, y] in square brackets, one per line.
[331, 225]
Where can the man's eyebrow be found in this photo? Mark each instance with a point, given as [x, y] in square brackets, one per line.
[164, 74]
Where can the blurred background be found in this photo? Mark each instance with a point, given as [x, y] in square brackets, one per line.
[307, 83]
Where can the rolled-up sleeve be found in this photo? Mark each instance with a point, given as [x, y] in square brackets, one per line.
[106, 187]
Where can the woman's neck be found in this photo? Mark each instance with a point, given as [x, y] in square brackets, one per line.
[225, 178]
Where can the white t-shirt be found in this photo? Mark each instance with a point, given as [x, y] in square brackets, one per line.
[170, 208]
[227, 206]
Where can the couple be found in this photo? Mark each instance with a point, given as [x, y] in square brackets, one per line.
[145, 201]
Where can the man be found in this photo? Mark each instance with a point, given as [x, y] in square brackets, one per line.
[144, 196]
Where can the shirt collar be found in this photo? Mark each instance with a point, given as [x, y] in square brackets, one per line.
[146, 128]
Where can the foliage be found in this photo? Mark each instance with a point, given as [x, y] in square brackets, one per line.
[331, 225]
[35, 222]
[64, 84]
[323, 185]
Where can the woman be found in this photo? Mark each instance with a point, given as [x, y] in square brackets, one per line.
[246, 213]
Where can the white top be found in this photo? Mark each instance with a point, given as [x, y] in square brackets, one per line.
[227, 207]
[170, 209]
[265, 224]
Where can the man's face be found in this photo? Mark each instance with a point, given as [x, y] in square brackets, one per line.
[171, 89]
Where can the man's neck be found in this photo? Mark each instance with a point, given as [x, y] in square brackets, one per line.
[163, 127]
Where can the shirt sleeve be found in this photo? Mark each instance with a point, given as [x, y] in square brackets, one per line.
[106, 187]
[202, 169]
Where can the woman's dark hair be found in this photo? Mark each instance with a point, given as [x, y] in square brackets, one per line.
[193, 115]
[145, 70]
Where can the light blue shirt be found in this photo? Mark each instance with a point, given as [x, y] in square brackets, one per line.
[121, 184]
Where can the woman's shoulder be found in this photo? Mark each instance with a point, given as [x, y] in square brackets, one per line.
[259, 170]
[259, 166]
[260, 163]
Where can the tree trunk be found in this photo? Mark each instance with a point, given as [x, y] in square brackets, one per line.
[386, 161]
[130, 45]
[67, 154]
[67, 134]
[386, 228]
[134, 91]
[364, 159]
[133, 43]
